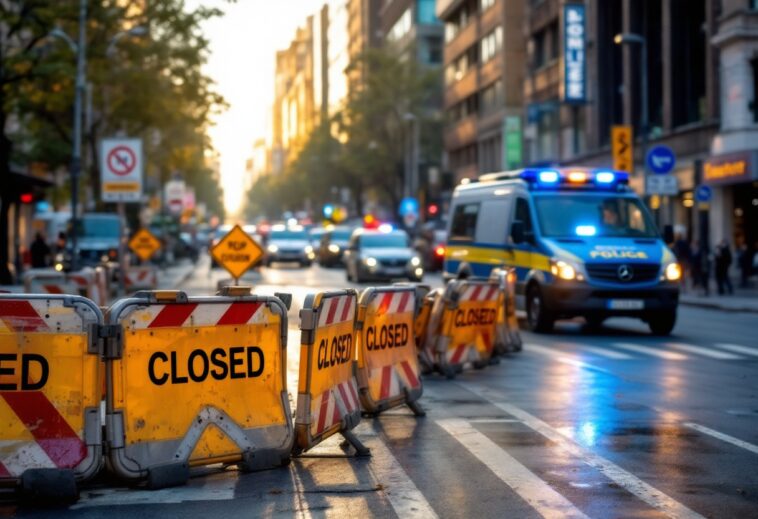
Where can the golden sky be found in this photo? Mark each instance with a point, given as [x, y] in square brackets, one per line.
[243, 45]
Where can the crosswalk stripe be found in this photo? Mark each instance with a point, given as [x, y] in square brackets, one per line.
[559, 356]
[738, 349]
[655, 352]
[647, 493]
[402, 493]
[723, 437]
[705, 352]
[525, 483]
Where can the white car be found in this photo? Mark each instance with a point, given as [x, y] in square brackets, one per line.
[378, 255]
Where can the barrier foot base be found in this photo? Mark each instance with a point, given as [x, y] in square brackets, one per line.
[416, 408]
[494, 361]
[48, 486]
[351, 439]
[168, 475]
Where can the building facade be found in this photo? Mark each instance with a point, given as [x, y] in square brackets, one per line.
[483, 84]
[363, 32]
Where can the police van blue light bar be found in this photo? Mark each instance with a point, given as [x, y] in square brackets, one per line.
[574, 178]
[548, 177]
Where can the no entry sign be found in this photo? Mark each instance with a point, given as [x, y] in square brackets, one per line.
[121, 170]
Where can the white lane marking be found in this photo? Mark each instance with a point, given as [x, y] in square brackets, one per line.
[738, 349]
[565, 358]
[723, 437]
[538, 494]
[406, 499]
[655, 352]
[649, 494]
[493, 420]
[705, 352]
[218, 487]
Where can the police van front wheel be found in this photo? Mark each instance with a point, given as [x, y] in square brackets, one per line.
[538, 317]
[662, 323]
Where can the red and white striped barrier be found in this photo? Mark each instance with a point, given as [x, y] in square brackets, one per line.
[197, 314]
[333, 405]
[141, 277]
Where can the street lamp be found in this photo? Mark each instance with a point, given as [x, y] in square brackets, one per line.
[636, 39]
[412, 143]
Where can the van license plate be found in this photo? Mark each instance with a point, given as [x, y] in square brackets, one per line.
[626, 304]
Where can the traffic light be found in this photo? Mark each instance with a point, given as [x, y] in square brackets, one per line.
[433, 210]
[26, 198]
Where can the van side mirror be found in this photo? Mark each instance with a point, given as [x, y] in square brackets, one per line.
[668, 234]
[517, 232]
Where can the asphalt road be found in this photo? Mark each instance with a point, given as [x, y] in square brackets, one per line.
[613, 423]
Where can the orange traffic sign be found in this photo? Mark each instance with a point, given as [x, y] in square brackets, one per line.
[237, 252]
[144, 244]
[622, 147]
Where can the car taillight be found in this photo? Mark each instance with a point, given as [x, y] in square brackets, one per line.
[440, 250]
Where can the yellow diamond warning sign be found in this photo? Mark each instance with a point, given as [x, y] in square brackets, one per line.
[144, 244]
[237, 252]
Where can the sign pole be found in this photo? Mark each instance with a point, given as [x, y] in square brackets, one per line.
[122, 249]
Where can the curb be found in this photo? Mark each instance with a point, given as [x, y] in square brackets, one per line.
[717, 306]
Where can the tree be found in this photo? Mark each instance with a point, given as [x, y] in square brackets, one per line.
[151, 87]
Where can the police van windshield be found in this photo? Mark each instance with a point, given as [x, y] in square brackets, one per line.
[380, 241]
[289, 234]
[571, 216]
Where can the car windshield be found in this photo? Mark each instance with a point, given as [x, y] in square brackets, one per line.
[571, 216]
[98, 227]
[288, 235]
[378, 241]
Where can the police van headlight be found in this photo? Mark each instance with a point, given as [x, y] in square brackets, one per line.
[563, 270]
[273, 249]
[370, 262]
[308, 249]
[334, 248]
[415, 261]
[673, 272]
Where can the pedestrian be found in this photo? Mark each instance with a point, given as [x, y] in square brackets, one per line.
[40, 252]
[60, 243]
[683, 254]
[745, 262]
[723, 262]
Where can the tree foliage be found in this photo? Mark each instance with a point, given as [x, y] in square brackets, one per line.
[151, 87]
[364, 145]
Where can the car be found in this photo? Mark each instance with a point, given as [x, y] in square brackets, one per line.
[99, 236]
[333, 244]
[314, 236]
[431, 243]
[381, 255]
[289, 244]
[582, 242]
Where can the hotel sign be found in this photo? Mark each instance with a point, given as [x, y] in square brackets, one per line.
[574, 54]
[734, 168]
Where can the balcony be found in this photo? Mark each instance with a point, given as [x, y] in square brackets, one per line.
[461, 133]
[462, 41]
[544, 83]
[461, 89]
[491, 18]
[491, 70]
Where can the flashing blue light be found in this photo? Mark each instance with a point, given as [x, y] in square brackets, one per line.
[548, 177]
[328, 211]
[586, 230]
[605, 177]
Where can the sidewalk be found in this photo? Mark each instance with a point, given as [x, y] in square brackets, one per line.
[743, 300]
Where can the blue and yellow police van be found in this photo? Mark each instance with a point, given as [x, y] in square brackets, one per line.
[582, 242]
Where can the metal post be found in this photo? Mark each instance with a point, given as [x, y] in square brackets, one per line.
[76, 158]
[122, 249]
[644, 118]
[415, 158]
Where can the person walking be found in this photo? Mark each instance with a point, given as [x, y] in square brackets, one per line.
[39, 252]
[745, 262]
[723, 262]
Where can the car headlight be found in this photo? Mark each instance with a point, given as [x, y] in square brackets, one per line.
[415, 261]
[308, 249]
[334, 248]
[370, 262]
[273, 248]
[563, 270]
[673, 272]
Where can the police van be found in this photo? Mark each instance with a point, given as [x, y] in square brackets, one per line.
[581, 241]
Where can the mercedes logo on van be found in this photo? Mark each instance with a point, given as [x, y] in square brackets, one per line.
[625, 273]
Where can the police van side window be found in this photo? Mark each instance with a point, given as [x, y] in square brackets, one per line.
[492, 227]
[463, 226]
[524, 216]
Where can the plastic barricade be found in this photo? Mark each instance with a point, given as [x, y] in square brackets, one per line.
[141, 277]
[48, 281]
[468, 314]
[507, 335]
[327, 400]
[89, 284]
[50, 384]
[425, 328]
[388, 368]
[196, 381]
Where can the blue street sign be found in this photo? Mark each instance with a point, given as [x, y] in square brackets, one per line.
[408, 206]
[661, 160]
[703, 193]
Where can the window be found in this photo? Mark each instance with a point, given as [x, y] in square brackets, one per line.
[460, 19]
[523, 215]
[754, 65]
[464, 222]
[402, 26]
[492, 97]
[492, 224]
[426, 13]
[458, 68]
[491, 44]
[486, 4]
[545, 46]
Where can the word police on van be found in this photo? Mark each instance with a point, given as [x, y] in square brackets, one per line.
[581, 241]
